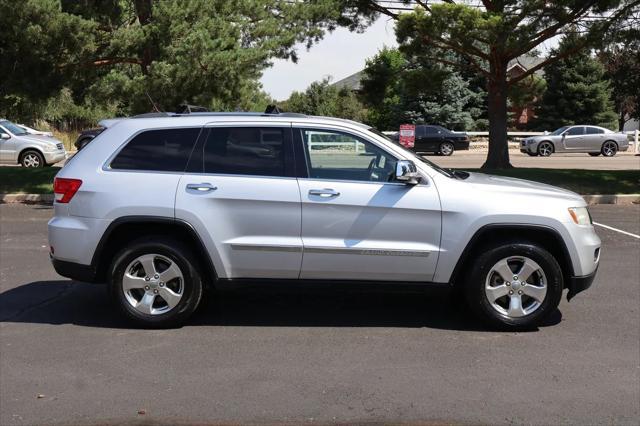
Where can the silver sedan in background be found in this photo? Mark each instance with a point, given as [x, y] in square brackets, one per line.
[593, 140]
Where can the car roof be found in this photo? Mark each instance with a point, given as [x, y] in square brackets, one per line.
[163, 119]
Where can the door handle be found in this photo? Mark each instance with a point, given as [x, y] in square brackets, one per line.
[325, 193]
[201, 187]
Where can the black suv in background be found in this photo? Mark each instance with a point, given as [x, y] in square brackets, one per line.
[87, 136]
[439, 140]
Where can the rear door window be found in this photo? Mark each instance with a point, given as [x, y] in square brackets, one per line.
[165, 150]
[594, 131]
[254, 151]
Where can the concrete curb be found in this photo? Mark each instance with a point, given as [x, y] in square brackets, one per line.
[26, 198]
[621, 199]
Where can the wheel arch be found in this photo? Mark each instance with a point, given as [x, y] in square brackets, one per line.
[129, 228]
[30, 148]
[549, 238]
[553, 145]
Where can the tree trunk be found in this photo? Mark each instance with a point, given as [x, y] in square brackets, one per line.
[498, 156]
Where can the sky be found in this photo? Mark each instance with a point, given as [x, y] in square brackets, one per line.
[339, 55]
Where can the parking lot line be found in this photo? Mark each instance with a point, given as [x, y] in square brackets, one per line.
[617, 230]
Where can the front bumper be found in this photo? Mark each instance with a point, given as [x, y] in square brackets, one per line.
[579, 284]
[55, 156]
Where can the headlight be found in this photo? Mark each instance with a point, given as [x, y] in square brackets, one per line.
[580, 215]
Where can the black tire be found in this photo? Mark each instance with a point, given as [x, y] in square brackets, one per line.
[32, 159]
[594, 154]
[532, 154]
[545, 149]
[446, 148]
[191, 283]
[609, 149]
[477, 280]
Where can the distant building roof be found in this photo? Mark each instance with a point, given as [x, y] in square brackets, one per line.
[351, 82]
[524, 62]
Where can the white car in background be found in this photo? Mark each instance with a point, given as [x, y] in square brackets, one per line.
[17, 146]
[33, 131]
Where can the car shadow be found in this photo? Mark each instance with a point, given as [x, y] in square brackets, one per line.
[68, 302]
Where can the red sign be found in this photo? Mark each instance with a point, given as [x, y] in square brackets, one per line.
[407, 136]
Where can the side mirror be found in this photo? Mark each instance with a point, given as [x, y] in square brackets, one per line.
[406, 172]
[5, 136]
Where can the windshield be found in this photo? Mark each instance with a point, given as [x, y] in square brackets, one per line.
[13, 128]
[560, 130]
[413, 154]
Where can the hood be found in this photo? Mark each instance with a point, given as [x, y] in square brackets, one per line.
[39, 139]
[509, 186]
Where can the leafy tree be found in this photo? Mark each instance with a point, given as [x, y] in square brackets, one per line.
[491, 33]
[577, 93]
[526, 94]
[620, 56]
[399, 90]
[321, 98]
[142, 55]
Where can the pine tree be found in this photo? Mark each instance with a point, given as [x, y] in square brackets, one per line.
[578, 92]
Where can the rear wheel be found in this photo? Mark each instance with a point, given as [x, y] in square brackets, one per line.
[545, 149]
[609, 148]
[594, 154]
[32, 159]
[156, 282]
[515, 285]
[446, 148]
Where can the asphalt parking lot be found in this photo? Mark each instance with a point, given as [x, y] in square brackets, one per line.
[313, 356]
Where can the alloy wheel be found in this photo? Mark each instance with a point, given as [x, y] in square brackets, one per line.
[446, 148]
[545, 149]
[31, 160]
[516, 286]
[609, 149]
[153, 284]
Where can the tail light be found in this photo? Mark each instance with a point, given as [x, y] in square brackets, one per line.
[64, 189]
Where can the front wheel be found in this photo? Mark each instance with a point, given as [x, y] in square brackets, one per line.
[545, 149]
[156, 282]
[609, 148]
[446, 148]
[514, 286]
[32, 159]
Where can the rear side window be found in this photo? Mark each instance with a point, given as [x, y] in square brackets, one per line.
[256, 151]
[594, 131]
[164, 150]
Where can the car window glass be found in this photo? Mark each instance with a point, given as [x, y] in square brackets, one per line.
[594, 131]
[245, 151]
[431, 130]
[420, 131]
[342, 156]
[159, 150]
[575, 131]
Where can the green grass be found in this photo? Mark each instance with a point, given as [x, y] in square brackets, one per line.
[15, 180]
[39, 181]
[584, 182]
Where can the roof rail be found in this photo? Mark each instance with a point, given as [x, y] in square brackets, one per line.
[152, 114]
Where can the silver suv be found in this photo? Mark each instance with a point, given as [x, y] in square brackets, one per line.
[165, 205]
[18, 146]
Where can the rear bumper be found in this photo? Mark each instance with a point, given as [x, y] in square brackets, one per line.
[579, 284]
[75, 271]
